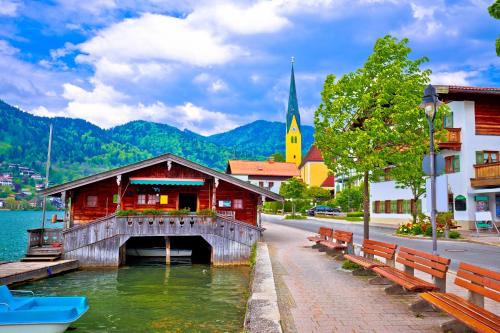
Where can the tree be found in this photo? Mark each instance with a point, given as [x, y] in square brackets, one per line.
[494, 11]
[318, 194]
[293, 189]
[369, 117]
[349, 198]
[278, 157]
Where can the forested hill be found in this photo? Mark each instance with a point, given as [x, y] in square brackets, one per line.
[80, 148]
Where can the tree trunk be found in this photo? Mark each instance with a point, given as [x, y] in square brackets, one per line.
[366, 206]
[414, 212]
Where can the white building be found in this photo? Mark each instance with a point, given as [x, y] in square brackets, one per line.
[472, 164]
[266, 174]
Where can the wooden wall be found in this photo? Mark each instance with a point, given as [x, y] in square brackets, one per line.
[487, 116]
[105, 189]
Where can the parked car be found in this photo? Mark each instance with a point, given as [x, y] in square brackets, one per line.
[324, 210]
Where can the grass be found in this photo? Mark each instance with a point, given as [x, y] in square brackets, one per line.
[348, 218]
[253, 255]
[349, 265]
[295, 217]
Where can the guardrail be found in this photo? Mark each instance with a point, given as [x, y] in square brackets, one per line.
[41, 237]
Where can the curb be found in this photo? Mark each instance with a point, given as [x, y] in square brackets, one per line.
[466, 240]
[263, 314]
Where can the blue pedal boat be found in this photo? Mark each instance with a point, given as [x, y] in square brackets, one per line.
[23, 314]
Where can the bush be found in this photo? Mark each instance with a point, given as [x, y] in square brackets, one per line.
[416, 229]
[206, 212]
[349, 265]
[179, 212]
[355, 214]
[454, 234]
[151, 211]
[127, 212]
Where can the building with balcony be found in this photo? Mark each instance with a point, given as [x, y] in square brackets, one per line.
[472, 165]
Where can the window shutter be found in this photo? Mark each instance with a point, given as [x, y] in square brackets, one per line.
[448, 120]
[456, 163]
[479, 157]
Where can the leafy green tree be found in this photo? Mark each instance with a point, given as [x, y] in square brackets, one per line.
[318, 194]
[293, 189]
[278, 157]
[350, 198]
[367, 116]
[494, 11]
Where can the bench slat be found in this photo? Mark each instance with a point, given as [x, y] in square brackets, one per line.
[481, 280]
[463, 311]
[407, 281]
[478, 289]
[485, 313]
[378, 253]
[402, 259]
[480, 270]
[365, 262]
[426, 255]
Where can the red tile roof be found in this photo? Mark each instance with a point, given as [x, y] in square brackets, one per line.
[262, 168]
[313, 155]
[329, 181]
[467, 89]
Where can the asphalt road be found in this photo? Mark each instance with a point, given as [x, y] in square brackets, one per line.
[487, 256]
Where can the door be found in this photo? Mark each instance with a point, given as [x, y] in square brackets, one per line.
[188, 201]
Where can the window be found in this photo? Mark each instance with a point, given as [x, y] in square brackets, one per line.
[238, 203]
[92, 201]
[271, 184]
[261, 184]
[376, 207]
[400, 207]
[448, 120]
[163, 199]
[486, 156]
[141, 199]
[387, 208]
[225, 203]
[460, 203]
[387, 174]
[452, 164]
[394, 206]
[152, 199]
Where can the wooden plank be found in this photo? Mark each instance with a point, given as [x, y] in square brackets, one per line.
[18, 272]
[426, 255]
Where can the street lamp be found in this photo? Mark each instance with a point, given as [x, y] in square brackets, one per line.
[430, 103]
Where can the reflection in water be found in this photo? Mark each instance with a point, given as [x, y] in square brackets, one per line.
[156, 298]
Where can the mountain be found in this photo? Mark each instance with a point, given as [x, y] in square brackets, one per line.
[80, 148]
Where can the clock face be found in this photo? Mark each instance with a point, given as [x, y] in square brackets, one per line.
[294, 129]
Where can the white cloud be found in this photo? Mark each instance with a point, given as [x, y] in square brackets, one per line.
[214, 84]
[7, 49]
[91, 6]
[9, 7]
[106, 107]
[458, 78]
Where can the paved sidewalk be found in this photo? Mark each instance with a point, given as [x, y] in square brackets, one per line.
[315, 295]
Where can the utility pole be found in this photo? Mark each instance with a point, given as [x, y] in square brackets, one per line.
[47, 170]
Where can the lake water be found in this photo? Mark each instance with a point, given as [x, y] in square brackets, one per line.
[151, 297]
[13, 235]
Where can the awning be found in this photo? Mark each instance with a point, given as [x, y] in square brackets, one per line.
[167, 181]
[485, 190]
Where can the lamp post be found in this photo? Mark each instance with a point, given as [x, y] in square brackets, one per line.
[430, 103]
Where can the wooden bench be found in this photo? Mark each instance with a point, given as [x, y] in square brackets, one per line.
[480, 283]
[323, 234]
[340, 241]
[370, 249]
[405, 281]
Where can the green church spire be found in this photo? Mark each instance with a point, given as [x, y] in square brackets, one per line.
[293, 105]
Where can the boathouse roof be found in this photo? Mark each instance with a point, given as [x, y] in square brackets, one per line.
[156, 160]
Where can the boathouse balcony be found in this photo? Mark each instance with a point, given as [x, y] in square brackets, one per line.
[452, 140]
[486, 175]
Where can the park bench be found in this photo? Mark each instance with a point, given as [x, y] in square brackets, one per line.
[323, 234]
[480, 283]
[340, 241]
[406, 281]
[370, 249]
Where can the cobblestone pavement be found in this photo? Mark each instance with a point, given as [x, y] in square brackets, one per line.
[316, 295]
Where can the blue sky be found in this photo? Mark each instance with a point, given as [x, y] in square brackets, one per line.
[209, 66]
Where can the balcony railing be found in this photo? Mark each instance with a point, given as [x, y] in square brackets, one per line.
[42, 237]
[452, 140]
[487, 174]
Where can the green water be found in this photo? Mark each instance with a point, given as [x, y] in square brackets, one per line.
[183, 298]
[137, 299]
[13, 235]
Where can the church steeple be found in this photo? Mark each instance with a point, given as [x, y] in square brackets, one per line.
[293, 137]
[293, 105]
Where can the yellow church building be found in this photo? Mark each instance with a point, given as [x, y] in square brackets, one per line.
[313, 169]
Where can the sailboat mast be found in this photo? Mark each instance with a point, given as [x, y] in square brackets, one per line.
[47, 169]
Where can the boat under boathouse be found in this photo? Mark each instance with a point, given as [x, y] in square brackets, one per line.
[165, 206]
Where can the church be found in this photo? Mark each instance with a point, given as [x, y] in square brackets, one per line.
[271, 174]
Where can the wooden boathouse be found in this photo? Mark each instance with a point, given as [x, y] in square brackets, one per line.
[167, 201]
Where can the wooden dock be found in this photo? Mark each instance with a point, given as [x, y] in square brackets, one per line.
[19, 272]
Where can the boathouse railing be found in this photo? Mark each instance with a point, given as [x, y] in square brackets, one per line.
[42, 237]
[160, 225]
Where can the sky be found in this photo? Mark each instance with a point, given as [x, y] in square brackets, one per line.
[210, 66]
